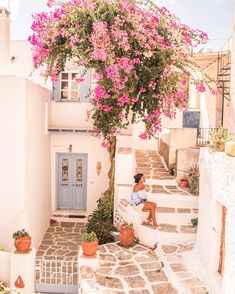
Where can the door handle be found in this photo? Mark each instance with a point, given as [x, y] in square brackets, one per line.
[78, 184]
[64, 184]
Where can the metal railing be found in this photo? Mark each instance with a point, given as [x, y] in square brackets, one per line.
[56, 275]
[203, 135]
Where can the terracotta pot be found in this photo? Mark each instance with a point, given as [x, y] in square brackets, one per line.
[230, 148]
[183, 183]
[23, 244]
[126, 235]
[19, 283]
[89, 248]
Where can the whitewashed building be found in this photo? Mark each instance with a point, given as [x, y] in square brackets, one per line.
[50, 162]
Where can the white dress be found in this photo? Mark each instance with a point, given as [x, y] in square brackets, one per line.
[137, 197]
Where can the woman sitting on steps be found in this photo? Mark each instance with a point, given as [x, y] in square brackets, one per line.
[139, 199]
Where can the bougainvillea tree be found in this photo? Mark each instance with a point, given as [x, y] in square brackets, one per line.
[140, 55]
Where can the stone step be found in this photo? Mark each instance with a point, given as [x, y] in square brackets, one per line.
[174, 201]
[162, 182]
[179, 218]
[169, 234]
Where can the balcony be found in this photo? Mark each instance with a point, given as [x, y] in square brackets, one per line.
[203, 136]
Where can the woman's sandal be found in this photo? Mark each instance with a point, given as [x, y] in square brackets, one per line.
[146, 223]
[157, 227]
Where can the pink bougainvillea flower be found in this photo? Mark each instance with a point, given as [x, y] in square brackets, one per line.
[105, 144]
[141, 58]
[79, 79]
[152, 85]
[98, 76]
[201, 87]
[136, 99]
[107, 108]
[143, 136]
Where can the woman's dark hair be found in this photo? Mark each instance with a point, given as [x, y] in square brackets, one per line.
[138, 177]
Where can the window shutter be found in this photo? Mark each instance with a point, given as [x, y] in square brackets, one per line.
[56, 95]
[85, 87]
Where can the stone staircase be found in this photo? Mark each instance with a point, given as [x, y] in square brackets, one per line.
[176, 207]
[160, 269]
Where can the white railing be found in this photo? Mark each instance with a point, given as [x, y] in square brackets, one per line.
[56, 274]
[203, 136]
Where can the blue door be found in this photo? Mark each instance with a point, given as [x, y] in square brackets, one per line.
[72, 181]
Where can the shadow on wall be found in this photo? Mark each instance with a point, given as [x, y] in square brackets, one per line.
[163, 150]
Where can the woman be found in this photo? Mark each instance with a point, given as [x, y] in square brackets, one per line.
[139, 198]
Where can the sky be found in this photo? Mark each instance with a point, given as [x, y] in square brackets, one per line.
[212, 16]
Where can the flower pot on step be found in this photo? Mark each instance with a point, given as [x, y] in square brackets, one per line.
[89, 248]
[23, 244]
[183, 183]
[126, 235]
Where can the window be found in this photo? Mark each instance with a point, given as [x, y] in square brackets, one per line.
[66, 89]
[69, 87]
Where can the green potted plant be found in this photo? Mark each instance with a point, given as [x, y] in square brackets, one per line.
[89, 244]
[194, 176]
[126, 234]
[22, 241]
[218, 140]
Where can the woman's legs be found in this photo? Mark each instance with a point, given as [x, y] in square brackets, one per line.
[151, 207]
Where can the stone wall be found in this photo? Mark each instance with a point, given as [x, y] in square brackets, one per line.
[185, 159]
[217, 189]
[173, 139]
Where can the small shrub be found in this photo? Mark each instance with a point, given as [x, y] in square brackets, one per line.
[5, 290]
[194, 176]
[89, 237]
[20, 234]
[101, 220]
[194, 222]
[218, 140]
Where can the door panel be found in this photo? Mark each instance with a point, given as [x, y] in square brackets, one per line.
[72, 180]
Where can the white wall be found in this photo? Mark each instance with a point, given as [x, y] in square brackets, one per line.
[185, 159]
[217, 189]
[12, 148]
[96, 185]
[69, 115]
[176, 139]
[23, 161]
[38, 164]
[22, 63]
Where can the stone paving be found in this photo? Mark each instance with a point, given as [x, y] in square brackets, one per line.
[56, 257]
[62, 240]
[140, 270]
[136, 270]
[150, 164]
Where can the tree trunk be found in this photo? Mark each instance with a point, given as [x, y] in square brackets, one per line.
[111, 173]
[232, 83]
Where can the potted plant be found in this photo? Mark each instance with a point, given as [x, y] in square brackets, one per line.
[89, 244]
[126, 234]
[218, 140]
[22, 241]
[194, 176]
[183, 183]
